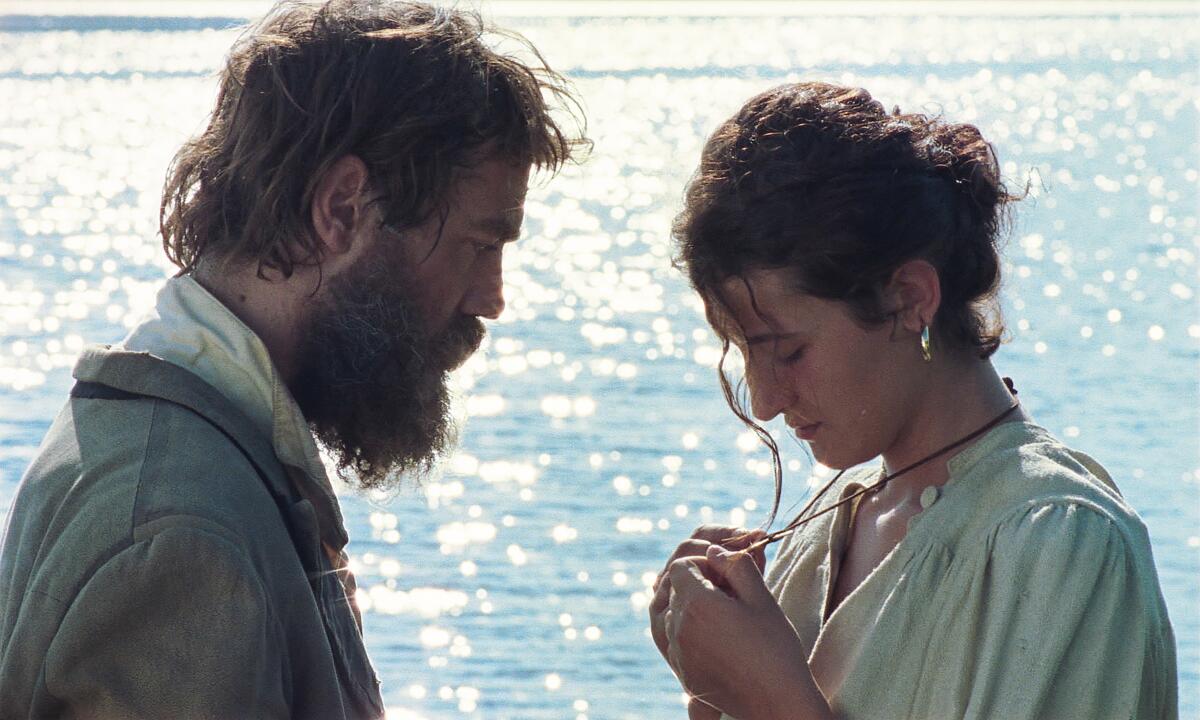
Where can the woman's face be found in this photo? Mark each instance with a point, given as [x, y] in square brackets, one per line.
[844, 388]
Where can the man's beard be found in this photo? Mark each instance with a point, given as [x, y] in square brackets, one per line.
[372, 381]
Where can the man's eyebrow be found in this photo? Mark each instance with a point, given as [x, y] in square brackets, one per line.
[505, 227]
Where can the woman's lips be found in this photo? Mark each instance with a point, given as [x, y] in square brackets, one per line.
[808, 432]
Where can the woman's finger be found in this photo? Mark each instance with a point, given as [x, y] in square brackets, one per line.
[659, 629]
[719, 534]
[746, 540]
[738, 572]
[662, 584]
[690, 579]
[734, 538]
[688, 548]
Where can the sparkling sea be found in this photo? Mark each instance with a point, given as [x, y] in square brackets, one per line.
[515, 585]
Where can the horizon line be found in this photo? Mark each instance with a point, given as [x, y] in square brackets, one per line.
[250, 9]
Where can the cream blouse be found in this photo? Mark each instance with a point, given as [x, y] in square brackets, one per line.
[1025, 590]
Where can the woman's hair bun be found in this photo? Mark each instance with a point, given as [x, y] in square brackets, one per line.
[822, 179]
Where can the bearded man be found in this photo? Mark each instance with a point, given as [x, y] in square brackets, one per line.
[176, 550]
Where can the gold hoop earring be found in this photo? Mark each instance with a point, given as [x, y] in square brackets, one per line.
[926, 351]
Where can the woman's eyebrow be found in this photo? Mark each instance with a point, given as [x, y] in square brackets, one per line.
[767, 337]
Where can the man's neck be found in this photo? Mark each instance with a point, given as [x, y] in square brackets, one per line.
[269, 307]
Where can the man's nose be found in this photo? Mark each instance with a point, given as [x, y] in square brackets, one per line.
[485, 297]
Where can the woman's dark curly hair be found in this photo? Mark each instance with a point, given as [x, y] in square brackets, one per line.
[822, 181]
[412, 89]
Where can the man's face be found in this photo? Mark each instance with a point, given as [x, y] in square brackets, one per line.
[455, 266]
[387, 331]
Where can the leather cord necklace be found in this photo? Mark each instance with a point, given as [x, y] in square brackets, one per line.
[802, 520]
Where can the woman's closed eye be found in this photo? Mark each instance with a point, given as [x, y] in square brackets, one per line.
[794, 356]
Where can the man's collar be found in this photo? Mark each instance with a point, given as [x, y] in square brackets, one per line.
[190, 328]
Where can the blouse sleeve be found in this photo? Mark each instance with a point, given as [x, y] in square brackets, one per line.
[1064, 627]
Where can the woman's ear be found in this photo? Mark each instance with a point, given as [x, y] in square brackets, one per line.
[339, 204]
[915, 294]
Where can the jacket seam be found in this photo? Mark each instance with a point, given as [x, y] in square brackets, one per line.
[118, 547]
[137, 493]
[1063, 502]
[43, 593]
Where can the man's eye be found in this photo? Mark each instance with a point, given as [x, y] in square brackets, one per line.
[482, 247]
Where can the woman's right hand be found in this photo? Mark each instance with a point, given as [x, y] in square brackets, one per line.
[730, 538]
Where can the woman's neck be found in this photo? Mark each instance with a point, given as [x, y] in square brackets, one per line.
[958, 399]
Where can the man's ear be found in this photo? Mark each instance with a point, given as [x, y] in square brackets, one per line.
[339, 204]
[915, 294]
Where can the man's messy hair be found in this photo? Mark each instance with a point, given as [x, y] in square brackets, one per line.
[413, 90]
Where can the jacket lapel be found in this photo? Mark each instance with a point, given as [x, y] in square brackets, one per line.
[143, 374]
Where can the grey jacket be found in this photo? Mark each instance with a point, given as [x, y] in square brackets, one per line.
[158, 563]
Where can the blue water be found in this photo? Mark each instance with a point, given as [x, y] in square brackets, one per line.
[515, 585]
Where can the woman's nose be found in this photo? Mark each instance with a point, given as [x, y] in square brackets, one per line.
[770, 393]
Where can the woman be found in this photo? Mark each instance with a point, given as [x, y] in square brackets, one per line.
[981, 569]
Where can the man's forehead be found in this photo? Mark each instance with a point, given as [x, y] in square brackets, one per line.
[502, 173]
[490, 197]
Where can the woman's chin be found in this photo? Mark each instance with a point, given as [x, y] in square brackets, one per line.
[821, 453]
[833, 457]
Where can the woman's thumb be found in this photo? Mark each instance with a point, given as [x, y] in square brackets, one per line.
[738, 573]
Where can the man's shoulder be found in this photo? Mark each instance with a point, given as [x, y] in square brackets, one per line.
[148, 454]
[109, 470]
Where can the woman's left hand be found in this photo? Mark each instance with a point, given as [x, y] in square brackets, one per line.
[730, 643]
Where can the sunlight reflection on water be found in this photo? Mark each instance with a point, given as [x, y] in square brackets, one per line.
[516, 584]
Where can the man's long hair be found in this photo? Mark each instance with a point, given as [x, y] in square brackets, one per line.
[413, 90]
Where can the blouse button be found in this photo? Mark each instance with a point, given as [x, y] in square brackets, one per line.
[928, 497]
